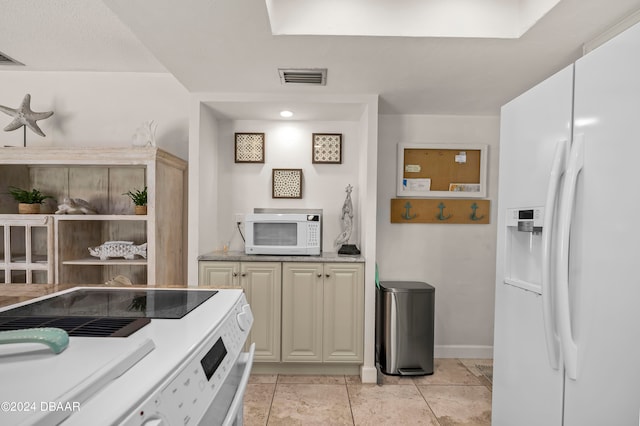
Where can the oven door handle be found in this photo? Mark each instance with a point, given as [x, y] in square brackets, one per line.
[236, 405]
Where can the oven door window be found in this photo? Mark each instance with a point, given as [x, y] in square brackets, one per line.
[275, 234]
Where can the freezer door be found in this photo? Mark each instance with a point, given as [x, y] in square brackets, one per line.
[604, 279]
[526, 389]
[531, 126]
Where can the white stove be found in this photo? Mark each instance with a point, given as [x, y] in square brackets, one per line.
[181, 365]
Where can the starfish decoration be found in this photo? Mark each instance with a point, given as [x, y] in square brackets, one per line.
[23, 116]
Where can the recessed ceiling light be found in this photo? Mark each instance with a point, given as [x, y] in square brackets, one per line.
[286, 114]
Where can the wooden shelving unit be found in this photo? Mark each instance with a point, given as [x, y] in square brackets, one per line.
[101, 176]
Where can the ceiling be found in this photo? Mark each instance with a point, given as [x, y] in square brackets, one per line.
[227, 46]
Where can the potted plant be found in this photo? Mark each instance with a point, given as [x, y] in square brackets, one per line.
[28, 201]
[139, 198]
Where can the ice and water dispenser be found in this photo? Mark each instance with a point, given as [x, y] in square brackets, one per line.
[523, 257]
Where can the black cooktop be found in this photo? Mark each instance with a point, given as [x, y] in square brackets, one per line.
[78, 326]
[119, 303]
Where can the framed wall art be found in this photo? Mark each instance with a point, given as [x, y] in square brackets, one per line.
[286, 183]
[326, 148]
[249, 148]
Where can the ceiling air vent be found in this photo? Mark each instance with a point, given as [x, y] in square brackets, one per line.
[6, 60]
[315, 76]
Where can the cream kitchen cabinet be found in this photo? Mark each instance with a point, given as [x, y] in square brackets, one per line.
[262, 284]
[99, 176]
[322, 312]
[302, 312]
[219, 274]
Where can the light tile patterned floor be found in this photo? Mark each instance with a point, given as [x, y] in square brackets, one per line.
[458, 393]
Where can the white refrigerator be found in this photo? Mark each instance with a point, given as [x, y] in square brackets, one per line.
[567, 319]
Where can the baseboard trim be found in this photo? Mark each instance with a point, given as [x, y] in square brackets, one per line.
[463, 351]
[302, 368]
[368, 374]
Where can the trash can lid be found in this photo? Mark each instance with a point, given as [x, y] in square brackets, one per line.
[406, 286]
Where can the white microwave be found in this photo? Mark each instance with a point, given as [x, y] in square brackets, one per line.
[283, 233]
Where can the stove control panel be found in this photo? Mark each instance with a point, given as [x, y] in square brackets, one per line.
[190, 392]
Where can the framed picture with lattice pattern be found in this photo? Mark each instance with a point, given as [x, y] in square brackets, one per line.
[327, 148]
[286, 183]
[249, 148]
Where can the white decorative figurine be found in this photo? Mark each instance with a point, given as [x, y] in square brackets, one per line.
[75, 206]
[119, 281]
[124, 249]
[346, 217]
[145, 135]
[24, 116]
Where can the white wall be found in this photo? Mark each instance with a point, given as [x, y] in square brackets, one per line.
[458, 260]
[243, 187]
[97, 109]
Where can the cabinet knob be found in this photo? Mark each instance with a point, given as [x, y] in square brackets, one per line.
[244, 274]
[319, 275]
[235, 274]
[327, 276]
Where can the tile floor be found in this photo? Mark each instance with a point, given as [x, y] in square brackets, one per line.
[458, 393]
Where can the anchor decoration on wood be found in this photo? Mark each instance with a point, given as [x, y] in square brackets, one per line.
[407, 215]
[441, 215]
[443, 211]
[473, 215]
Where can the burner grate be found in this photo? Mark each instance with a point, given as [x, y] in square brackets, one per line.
[78, 326]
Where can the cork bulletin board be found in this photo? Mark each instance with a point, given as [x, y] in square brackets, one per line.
[444, 170]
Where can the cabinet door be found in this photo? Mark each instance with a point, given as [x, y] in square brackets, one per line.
[302, 312]
[214, 273]
[343, 312]
[26, 250]
[261, 282]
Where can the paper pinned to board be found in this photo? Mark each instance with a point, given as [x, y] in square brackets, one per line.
[461, 157]
[412, 168]
[422, 185]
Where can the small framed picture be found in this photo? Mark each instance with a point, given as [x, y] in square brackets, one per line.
[286, 183]
[327, 148]
[249, 148]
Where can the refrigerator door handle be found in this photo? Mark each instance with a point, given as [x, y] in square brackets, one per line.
[550, 327]
[567, 342]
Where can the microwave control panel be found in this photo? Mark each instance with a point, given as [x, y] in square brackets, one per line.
[313, 234]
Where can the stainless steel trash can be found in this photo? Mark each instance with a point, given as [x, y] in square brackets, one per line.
[404, 327]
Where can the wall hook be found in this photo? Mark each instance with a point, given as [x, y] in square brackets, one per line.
[473, 216]
[441, 215]
[406, 215]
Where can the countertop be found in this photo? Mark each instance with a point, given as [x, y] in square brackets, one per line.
[14, 293]
[240, 256]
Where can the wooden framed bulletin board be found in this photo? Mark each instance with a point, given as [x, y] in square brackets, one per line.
[442, 170]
